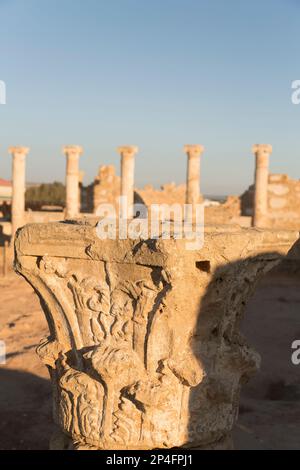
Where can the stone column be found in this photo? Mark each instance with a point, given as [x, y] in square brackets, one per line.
[262, 153]
[193, 173]
[127, 177]
[72, 153]
[144, 350]
[18, 187]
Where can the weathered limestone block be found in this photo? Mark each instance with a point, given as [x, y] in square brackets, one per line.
[282, 206]
[168, 194]
[194, 153]
[127, 153]
[144, 349]
[106, 187]
[225, 213]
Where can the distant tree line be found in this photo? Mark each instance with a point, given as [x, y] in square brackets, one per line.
[52, 194]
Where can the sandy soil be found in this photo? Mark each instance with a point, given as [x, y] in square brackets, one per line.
[25, 391]
[270, 403]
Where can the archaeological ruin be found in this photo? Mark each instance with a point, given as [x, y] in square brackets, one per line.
[144, 349]
[271, 202]
[149, 233]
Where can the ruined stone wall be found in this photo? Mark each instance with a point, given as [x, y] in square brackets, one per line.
[225, 213]
[167, 194]
[106, 187]
[283, 202]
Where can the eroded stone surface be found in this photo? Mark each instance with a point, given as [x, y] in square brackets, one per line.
[283, 195]
[144, 349]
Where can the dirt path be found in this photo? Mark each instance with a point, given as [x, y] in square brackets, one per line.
[25, 390]
[270, 402]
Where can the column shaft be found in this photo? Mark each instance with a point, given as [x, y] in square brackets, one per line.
[18, 187]
[193, 178]
[127, 179]
[72, 181]
[262, 154]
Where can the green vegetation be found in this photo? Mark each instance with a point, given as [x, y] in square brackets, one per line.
[52, 194]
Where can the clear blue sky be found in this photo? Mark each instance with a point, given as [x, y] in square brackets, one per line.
[155, 73]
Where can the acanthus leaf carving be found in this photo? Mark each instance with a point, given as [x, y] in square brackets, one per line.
[110, 397]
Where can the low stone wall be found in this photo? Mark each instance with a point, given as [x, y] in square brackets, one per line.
[43, 217]
[224, 213]
[106, 189]
[168, 194]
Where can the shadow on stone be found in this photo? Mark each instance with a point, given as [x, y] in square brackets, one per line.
[228, 361]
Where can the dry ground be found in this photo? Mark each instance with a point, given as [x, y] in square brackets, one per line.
[25, 392]
[270, 403]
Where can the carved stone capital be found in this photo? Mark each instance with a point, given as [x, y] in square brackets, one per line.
[19, 151]
[71, 150]
[193, 150]
[128, 150]
[262, 149]
[144, 349]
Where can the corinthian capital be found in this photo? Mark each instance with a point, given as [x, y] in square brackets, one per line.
[194, 150]
[130, 338]
[72, 150]
[265, 149]
[18, 150]
[128, 150]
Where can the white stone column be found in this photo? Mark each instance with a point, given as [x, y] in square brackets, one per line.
[193, 179]
[127, 177]
[193, 173]
[262, 153]
[18, 187]
[72, 152]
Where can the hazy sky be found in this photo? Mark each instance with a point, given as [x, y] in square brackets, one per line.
[155, 73]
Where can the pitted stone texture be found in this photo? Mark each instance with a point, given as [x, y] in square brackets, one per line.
[144, 350]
